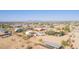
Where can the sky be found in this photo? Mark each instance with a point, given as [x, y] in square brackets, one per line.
[39, 15]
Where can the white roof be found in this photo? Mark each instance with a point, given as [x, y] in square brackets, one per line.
[2, 30]
[51, 43]
[28, 32]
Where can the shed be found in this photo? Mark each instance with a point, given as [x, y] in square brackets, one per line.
[51, 45]
[39, 29]
[29, 33]
[40, 34]
[4, 32]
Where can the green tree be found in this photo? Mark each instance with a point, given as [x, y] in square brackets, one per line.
[67, 28]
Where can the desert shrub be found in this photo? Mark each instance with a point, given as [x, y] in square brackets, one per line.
[5, 26]
[26, 37]
[28, 42]
[29, 36]
[13, 39]
[73, 41]
[67, 28]
[40, 40]
[51, 26]
[19, 35]
[29, 47]
[64, 43]
[22, 45]
[50, 32]
[61, 33]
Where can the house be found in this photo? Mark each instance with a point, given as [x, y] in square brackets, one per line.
[51, 45]
[39, 29]
[30, 33]
[39, 34]
[4, 32]
[17, 25]
[18, 29]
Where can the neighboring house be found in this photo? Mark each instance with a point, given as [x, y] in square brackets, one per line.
[4, 32]
[18, 29]
[18, 25]
[30, 33]
[39, 29]
[39, 34]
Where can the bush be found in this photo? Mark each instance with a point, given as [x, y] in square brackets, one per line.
[40, 40]
[19, 35]
[5, 26]
[67, 28]
[27, 37]
[51, 26]
[64, 43]
[50, 32]
[29, 47]
[61, 33]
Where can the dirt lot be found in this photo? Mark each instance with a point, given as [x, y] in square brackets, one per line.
[17, 41]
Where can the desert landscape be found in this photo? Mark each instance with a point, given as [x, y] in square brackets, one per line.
[39, 35]
[39, 29]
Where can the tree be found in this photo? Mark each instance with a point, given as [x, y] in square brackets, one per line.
[50, 32]
[61, 33]
[67, 28]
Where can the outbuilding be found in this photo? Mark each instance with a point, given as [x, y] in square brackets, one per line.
[51, 45]
[4, 32]
[18, 29]
[29, 33]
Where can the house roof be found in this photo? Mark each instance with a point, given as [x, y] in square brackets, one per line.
[52, 44]
[2, 30]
